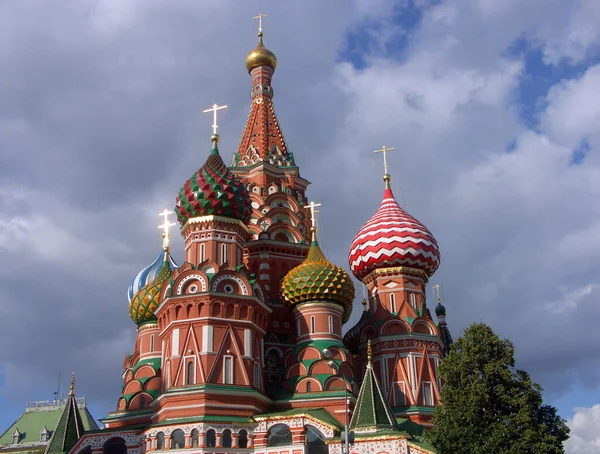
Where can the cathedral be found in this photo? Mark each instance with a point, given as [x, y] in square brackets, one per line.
[240, 348]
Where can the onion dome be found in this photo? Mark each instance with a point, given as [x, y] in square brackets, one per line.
[146, 300]
[148, 274]
[440, 310]
[391, 238]
[317, 279]
[260, 56]
[213, 190]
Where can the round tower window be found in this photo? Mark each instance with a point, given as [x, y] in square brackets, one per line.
[228, 288]
[193, 288]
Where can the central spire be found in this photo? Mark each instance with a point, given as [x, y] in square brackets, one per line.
[262, 139]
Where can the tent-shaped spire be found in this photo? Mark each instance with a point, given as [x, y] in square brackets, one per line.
[372, 412]
[70, 426]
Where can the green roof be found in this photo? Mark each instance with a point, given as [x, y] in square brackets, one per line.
[372, 412]
[30, 424]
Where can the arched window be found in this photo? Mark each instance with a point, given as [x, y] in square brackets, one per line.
[314, 441]
[211, 439]
[413, 301]
[279, 435]
[115, 445]
[152, 342]
[312, 324]
[392, 303]
[330, 324]
[194, 438]
[308, 386]
[227, 438]
[223, 253]
[202, 252]
[160, 440]
[243, 439]
[190, 373]
[177, 439]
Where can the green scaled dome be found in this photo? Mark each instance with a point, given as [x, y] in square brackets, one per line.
[146, 300]
[317, 279]
[213, 190]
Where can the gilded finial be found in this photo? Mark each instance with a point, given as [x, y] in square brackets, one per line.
[369, 351]
[437, 291]
[72, 386]
[260, 18]
[215, 137]
[166, 226]
[313, 217]
[386, 175]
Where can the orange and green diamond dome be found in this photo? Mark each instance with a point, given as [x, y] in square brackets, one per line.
[317, 279]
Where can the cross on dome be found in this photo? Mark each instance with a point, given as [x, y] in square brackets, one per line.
[437, 291]
[313, 211]
[214, 109]
[166, 226]
[384, 150]
[260, 18]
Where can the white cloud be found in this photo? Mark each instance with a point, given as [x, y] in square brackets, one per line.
[585, 436]
[573, 111]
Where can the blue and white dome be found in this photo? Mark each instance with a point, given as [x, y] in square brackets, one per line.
[148, 274]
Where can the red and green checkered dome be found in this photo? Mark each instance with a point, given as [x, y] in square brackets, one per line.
[147, 299]
[213, 190]
[317, 279]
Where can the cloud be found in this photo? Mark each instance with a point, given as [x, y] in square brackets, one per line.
[584, 437]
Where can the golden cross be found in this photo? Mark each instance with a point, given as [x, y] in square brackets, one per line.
[165, 227]
[384, 150]
[311, 206]
[214, 109]
[260, 18]
[437, 291]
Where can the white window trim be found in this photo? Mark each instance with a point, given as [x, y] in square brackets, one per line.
[228, 380]
[187, 360]
[430, 386]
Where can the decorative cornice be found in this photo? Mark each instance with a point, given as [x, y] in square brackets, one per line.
[393, 271]
[215, 218]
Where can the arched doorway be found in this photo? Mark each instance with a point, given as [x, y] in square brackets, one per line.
[315, 443]
[115, 445]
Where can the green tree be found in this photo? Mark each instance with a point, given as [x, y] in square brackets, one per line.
[487, 406]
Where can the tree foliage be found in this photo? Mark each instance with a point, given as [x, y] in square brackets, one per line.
[487, 406]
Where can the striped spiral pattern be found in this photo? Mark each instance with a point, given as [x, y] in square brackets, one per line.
[392, 238]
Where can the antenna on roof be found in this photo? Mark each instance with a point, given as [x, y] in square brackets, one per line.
[57, 392]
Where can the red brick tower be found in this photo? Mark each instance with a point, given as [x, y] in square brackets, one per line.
[279, 225]
[394, 255]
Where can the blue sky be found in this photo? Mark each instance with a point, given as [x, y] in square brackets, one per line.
[492, 108]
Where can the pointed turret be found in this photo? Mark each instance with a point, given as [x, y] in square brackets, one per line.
[70, 426]
[440, 312]
[372, 412]
[262, 139]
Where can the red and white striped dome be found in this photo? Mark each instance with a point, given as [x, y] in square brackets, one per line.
[392, 237]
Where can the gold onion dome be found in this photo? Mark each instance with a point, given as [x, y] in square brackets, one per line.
[260, 56]
[317, 279]
[147, 299]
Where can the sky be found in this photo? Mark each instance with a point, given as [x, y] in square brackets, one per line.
[493, 109]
